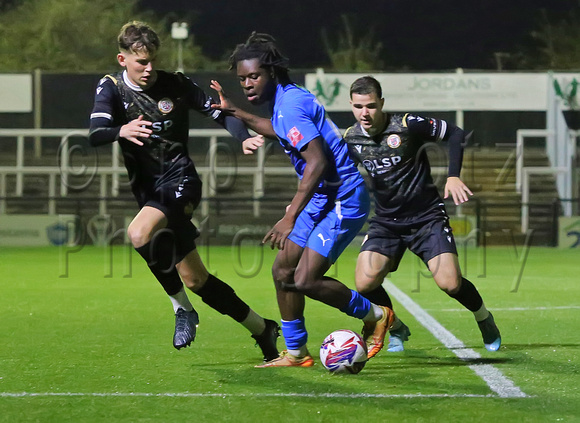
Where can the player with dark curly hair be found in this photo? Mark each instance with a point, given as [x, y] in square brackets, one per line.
[328, 209]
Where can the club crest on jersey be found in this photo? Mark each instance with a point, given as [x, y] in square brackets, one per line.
[394, 141]
[294, 136]
[165, 105]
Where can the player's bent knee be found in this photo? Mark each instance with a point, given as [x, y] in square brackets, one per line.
[137, 236]
[450, 288]
[193, 282]
[367, 284]
[302, 285]
[304, 282]
[447, 280]
[283, 278]
[288, 286]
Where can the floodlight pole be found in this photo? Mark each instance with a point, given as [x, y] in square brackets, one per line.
[179, 32]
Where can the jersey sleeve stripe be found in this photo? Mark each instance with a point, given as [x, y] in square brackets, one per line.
[443, 130]
[101, 115]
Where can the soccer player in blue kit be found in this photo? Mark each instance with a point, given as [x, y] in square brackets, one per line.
[147, 112]
[409, 212]
[327, 211]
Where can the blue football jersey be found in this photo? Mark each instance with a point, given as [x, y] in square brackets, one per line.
[298, 118]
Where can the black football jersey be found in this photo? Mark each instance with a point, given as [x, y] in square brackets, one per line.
[166, 104]
[396, 161]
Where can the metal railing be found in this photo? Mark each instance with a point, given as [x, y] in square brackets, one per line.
[527, 172]
[521, 136]
[564, 157]
[110, 174]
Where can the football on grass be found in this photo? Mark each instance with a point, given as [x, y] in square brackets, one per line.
[343, 351]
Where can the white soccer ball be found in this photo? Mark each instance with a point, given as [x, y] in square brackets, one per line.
[343, 351]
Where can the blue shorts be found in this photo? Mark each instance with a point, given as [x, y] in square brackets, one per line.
[328, 226]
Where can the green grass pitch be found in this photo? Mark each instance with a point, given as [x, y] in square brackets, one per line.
[85, 336]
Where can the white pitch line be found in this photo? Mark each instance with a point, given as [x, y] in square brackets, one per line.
[494, 378]
[225, 395]
[514, 308]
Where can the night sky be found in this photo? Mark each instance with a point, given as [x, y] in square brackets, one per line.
[416, 35]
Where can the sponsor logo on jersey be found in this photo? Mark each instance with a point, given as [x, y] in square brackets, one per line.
[380, 166]
[358, 148]
[394, 141]
[165, 105]
[99, 89]
[294, 136]
[161, 126]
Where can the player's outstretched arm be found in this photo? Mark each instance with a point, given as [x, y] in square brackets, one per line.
[252, 144]
[457, 189]
[258, 124]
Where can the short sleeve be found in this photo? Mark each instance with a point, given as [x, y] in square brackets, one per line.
[296, 125]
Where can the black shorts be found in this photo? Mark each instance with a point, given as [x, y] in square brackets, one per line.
[427, 237]
[177, 196]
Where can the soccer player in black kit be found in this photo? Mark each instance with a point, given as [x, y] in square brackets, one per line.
[409, 212]
[146, 111]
